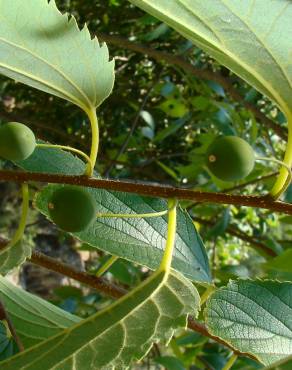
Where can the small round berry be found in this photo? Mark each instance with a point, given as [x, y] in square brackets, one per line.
[17, 141]
[230, 158]
[72, 208]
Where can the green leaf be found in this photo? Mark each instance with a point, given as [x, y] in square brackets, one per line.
[138, 240]
[8, 346]
[174, 108]
[44, 49]
[120, 334]
[33, 318]
[281, 263]
[238, 36]
[14, 256]
[221, 225]
[170, 363]
[254, 317]
[285, 364]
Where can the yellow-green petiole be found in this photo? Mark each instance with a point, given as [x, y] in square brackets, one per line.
[283, 181]
[287, 171]
[95, 137]
[170, 241]
[230, 362]
[110, 261]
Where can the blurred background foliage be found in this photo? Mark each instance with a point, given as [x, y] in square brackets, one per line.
[156, 127]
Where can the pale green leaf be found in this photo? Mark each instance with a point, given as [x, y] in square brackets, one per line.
[14, 256]
[285, 364]
[138, 240]
[34, 319]
[44, 49]
[120, 334]
[250, 37]
[254, 317]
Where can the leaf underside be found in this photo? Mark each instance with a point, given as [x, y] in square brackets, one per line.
[249, 37]
[14, 256]
[40, 47]
[120, 334]
[254, 317]
[34, 319]
[7, 345]
[285, 364]
[138, 240]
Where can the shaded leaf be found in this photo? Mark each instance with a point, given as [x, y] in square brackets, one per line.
[281, 262]
[170, 363]
[33, 318]
[8, 346]
[14, 256]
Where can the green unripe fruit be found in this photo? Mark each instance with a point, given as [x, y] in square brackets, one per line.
[17, 141]
[230, 158]
[72, 208]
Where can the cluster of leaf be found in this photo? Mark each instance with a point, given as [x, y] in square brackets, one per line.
[178, 117]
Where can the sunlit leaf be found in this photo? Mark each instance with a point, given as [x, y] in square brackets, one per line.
[44, 49]
[237, 34]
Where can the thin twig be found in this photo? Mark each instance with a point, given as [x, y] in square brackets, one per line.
[251, 182]
[239, 234]
[151, 190]
[133, 127]
[98, 283]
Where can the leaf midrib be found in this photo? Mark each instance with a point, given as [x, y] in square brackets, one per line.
[54, 87]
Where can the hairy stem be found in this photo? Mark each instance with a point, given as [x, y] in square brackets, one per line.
[95, 282]
[151, 190]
